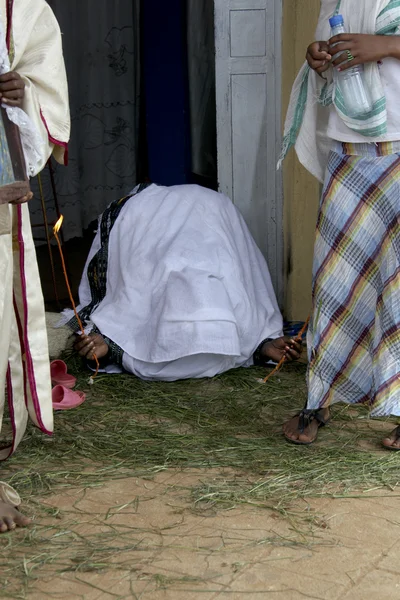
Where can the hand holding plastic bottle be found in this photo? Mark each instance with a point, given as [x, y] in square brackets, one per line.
[363, 48]
[318, 57]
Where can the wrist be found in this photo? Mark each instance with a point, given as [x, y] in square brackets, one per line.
[393, 47]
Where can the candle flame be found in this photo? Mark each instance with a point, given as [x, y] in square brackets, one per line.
[57, 226]
[56, 229]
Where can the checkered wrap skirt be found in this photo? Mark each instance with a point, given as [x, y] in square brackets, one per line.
[354, 335]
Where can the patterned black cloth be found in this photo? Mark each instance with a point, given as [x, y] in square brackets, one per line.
[97, 272]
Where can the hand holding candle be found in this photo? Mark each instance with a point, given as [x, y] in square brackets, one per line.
[56, 229]
[283, 359]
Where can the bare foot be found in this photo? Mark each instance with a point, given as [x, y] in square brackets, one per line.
[293, 431]
[393, 441]
[10, 518]
[284, 346]
[89, 345]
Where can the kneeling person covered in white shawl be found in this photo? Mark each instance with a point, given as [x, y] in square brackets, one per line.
[175, 287]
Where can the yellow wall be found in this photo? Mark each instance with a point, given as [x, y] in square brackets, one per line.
[301, 190]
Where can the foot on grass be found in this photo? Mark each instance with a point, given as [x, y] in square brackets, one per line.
[392, 442]
[11, 518]
[296, 433]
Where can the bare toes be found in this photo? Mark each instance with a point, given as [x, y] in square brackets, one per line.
[21, 520]
[9, 522]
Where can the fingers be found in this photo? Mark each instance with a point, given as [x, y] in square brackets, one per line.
[23, 199]
[81, 341]
[292, 354]
[293, 349]
[10, 102]
[84, 346]
[10, 76]
[3, 526]
[319, 65]
[319, 51]
[342, 37]
[348, 64]
[12, 89]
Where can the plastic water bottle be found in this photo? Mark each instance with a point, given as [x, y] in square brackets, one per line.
[356, 96]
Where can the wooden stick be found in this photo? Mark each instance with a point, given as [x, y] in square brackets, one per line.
[283, 359]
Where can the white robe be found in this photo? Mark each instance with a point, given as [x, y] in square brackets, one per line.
[188, 292]
[36, 53]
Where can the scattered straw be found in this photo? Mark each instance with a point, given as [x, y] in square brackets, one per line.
[131, 428]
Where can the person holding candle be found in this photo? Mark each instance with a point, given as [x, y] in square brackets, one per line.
[175, 287]
[33, 90]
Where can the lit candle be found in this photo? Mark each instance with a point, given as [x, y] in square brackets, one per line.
[56, 229]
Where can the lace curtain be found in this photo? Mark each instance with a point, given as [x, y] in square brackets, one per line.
[101, 47]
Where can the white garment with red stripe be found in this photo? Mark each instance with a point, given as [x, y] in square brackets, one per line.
[24, 361]
[36, 54]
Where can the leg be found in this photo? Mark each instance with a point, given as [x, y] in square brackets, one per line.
[30, 318]
[358, 216]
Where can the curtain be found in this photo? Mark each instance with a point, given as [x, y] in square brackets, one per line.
[101, 47]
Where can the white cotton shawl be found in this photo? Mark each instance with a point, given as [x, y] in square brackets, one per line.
[312, 144]
[36, 54]
[184, 278]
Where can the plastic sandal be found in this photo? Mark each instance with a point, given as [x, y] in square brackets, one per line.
[60, 376]
[65, 399]
[306, 417]
[8, 495]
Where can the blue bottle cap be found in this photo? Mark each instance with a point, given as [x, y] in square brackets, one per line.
[336, 20]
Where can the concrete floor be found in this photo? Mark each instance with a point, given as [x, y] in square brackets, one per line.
[143, 540]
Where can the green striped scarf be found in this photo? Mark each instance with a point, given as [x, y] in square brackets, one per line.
[371, 125]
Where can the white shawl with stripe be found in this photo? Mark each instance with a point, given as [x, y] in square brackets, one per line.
[307, 119]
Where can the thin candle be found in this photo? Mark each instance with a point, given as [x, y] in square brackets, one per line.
[56, 229]
[283, 359]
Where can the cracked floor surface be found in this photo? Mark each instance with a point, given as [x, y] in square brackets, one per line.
[144, 539]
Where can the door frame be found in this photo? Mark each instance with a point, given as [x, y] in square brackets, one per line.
[272, 245]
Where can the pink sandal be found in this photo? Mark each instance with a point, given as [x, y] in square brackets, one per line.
[59, 375]
[65, 399]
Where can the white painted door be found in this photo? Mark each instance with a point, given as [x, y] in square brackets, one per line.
[248, 61]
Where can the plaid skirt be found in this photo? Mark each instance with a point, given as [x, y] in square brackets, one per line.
[354, 335]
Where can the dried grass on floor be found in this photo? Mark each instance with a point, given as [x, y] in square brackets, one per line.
[130, 428]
